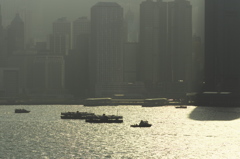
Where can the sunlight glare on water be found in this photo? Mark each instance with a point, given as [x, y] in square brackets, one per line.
[195, 132]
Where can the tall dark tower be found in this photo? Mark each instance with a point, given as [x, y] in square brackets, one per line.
[222, 36]
[106, 58]
[180, 43]
[222, 49]
[153, 44]
[15, 35]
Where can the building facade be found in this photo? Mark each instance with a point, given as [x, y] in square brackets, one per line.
[131, 27]
[60, 40]
[106, 57]
[222, 36]
[81, 31]
[153, 45]
[15, 35]
[48, 74]
[180, 42]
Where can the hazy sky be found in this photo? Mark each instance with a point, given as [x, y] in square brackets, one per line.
[44, 12]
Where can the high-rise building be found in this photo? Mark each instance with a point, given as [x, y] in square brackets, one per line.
[48, 74]
[76, 63]
[59, 44]
[60, 40]
[106, 57]
[153, 44]
[180, 42]
[81, 32]
[222, 36]
[131, 27]
[15, 35]
[62, 26]
[26, 16]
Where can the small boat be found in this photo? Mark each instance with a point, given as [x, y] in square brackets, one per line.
[21, 111]
[105, 119]
[76, 115]
[142, 124]
[181, 106]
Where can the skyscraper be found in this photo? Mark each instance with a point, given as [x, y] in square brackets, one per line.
[48, 74]
[153, 44]
[76, 63]
[180, 41]
[15, 35]
[81, 31]
[60, 40]
[106, 58]
[26, 16]
[222, 36]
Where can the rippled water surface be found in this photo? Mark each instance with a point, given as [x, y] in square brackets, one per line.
[192, 133]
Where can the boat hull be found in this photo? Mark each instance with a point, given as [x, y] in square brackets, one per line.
[22, 111]
[103, 121]
[181, 107]
[140, 126]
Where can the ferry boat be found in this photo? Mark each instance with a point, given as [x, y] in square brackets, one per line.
[105, 119]
[154, 102]
[21, 111]
[76, 115]
[142, 124]
[97, 101]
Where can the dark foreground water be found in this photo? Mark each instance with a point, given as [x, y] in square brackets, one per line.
[192, 133]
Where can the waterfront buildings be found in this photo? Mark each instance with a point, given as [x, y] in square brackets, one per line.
[15, 35]
[48, 74]
[60, 40]
[153, 44]
[81, 29]
[222, 36]
[180, 44]
[165, 46]
[115, 63]
[106, 55]
[26, 16]
[76, 63]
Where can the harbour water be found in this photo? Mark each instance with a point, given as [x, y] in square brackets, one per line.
[192, 133]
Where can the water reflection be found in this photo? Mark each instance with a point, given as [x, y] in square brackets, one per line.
[215, 113]
[176, 133]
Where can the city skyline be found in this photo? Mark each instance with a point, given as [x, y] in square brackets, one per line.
[105, 60]
[43, 13]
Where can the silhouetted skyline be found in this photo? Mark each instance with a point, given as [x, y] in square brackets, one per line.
[44, 12]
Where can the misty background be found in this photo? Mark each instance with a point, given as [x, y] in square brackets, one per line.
[45, 12]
